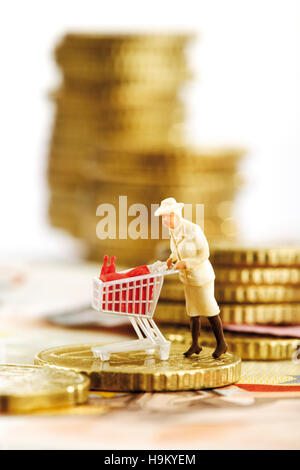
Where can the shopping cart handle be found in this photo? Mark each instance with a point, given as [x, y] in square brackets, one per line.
[171, 271]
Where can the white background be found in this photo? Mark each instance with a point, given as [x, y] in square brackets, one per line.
[246, 93]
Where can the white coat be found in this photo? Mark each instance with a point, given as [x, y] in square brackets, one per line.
[189, 244]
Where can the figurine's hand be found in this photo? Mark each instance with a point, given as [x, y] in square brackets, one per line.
[180, 265]
[169, 262]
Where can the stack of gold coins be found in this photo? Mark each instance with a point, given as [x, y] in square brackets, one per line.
[117, 90]
[118, 132]
[258, 285]
[254, 286]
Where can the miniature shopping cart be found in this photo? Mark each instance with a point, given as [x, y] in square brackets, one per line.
[136, 298]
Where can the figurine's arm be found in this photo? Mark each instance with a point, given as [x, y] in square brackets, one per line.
[172, 258]
[197, 247]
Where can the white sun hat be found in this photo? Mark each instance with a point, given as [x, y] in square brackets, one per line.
[169, 205]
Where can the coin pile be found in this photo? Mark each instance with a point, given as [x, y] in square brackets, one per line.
[116, 91]
[248, 347]
[254, 286]
[118, 131]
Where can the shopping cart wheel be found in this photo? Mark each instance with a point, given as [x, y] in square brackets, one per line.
[104, 356]
[164, 351]
[150, 351]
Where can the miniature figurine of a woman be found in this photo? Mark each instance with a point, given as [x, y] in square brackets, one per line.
[190, 251]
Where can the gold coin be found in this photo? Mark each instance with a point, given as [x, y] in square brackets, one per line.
[27, 388]
[117, 61]
[211, 157]
[162, 167]
[157, 87]
[70, 135]
[109, 48]
[256, 294]
[162, 75]
[250, 256]
[117, 94]
[123, 41]
[154, 112]
[93, 108]
[66, 181]
[132, 61]
[76, 194]
[207, 180]
[261, 314]
[114, 95]
[138, 371]
[156, 132]
[257, 275]
[128, 52]
[139, 122]
[226, 293]
[120, 63]
[154, 193]
[68, 125]
[248, 347]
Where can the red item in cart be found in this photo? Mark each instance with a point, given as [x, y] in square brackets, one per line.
[108, 269]
[125, 297]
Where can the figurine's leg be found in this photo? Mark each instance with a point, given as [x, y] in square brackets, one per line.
[195, 331]
[217, 328]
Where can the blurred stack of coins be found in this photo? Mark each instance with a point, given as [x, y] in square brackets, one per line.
[193, 176]
[117, 91]
[118, 131]
[253, 287]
